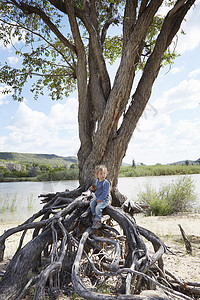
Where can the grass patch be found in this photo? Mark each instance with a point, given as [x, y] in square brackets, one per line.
[173, 198]
[7, 205]
[158, 170]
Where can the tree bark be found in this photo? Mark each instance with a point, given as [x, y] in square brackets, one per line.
[111, 138]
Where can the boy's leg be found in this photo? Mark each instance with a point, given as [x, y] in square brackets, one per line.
[98, 210]
[93, 204]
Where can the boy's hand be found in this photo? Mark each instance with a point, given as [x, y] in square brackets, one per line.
[98, 201]
[93, 188]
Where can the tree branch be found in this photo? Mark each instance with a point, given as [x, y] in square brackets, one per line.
[129, 19]
[59, 5]
[142, 94]
[54, 267]
[93, 30]
[143, 6]
[108, 22]
[84, 126]
[29, 9]
[119, 95]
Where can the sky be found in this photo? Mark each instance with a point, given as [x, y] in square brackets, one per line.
[168, 130]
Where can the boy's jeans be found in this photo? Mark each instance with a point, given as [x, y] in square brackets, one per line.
[98, 208]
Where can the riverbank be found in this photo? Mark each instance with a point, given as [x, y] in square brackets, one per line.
[61, 173]
[176, 260]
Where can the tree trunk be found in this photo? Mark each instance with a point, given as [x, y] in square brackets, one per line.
[108, 138]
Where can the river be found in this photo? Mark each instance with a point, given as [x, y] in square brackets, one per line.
[19, 200]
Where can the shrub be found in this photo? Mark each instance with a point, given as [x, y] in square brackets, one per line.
[65, 174]
[172, 198]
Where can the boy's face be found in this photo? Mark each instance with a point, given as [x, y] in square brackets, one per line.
[102, 175]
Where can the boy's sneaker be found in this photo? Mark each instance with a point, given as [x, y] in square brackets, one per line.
[96, 224]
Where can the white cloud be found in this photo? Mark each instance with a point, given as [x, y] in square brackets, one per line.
[35, 132]
[65, 115]
[194, 73]
[185, 95]
[152, 122]
[147, 147]
[13, 60]
[184, 140]
[184, 128]
[175, 142]
[26, 117]
[3, 97]
[163, 137]
[176, 70]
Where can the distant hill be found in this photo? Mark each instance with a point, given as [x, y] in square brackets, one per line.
[51, 159]
[55, 160]
[183, 162]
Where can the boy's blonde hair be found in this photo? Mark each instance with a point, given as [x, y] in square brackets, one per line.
[101, 168]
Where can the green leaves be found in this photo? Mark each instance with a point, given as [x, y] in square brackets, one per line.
[45, 61]
[113, 48]
[42, 56]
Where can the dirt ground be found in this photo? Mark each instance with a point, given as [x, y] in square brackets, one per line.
[177, 261]
[180, 263]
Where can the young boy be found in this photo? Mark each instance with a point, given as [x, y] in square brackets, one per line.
[101, 190]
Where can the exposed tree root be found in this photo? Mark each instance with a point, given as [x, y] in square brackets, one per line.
[120, 260]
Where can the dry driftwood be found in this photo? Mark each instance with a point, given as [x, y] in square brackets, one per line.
[66, 254]
[186, 240]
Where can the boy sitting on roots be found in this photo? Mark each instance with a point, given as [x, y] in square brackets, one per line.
[101, 190]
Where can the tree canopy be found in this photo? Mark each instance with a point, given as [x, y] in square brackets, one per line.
[40, 34]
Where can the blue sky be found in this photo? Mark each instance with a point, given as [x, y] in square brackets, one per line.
[167, 132]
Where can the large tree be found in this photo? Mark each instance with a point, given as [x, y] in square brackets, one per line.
[66, 45]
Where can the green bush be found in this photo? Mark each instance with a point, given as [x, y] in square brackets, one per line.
[169, 199]
[65, 174]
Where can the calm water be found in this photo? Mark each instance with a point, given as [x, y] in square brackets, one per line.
[19, 200]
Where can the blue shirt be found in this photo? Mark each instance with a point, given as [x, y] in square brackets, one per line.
[102, 191]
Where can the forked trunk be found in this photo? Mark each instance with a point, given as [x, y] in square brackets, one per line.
[112, 159]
